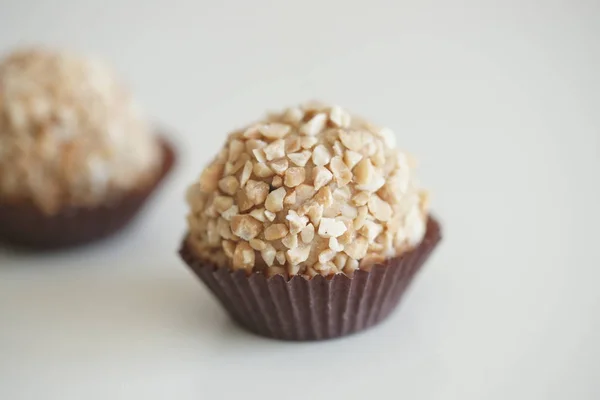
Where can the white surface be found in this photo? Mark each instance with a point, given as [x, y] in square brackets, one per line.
[499, 101]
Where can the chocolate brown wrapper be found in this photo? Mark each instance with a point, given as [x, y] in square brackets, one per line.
[24, 224]
[318, 308]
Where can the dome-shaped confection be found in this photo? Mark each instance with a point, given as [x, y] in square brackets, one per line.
[311, 190]
[70, 134]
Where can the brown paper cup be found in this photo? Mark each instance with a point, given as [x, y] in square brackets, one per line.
[318, 308]
[23, 224]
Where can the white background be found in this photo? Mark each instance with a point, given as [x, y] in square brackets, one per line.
[500, 102]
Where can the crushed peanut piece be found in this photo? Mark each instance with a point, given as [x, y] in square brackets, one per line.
[277, 182]
[330, 227]
[351, 158]
[229, 185]
[321, 156]
[274, 130]
[274, 202]
[315, 125]
[257, 244]
[257, 191]
[243, 256]
[308, 233]
[245, 227]
[246, 172]
[341, 172]
[279, 166]
[276, 231]
[294, 176]
[262, 171]
[300, 159]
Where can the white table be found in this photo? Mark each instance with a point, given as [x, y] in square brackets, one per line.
[500, 103]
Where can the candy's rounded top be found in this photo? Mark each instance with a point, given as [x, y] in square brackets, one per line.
[70, 133]
[310, 190]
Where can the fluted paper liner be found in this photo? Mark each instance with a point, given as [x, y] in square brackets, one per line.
[317, 308]
[24, 224]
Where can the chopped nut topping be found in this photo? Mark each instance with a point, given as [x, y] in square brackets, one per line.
[351, 266]
[341, 173]
[326, 255]
[224, 229]
[210, 177]
[379, 208]
[231, 169]
[339, 117]
[290, 241]
[351, 158]
[355, 140]
[338, 149]
[252, 132]
[335, 245]
[277, 182]
[229, 185]
[340, 260]
[254, 144]
[324, 197]
[276, 231]
[262, 171]
[371, 230]
[292, 145]
[228, 248]
[361, 198]
[325, 269]
[296, 222]
[330, 227]
[321, 176]
[308, 142]
[298, 255]
[314, 212]
[230, 212]
[279, 166]
[321, 156]
[304, 193]
[268, 254]
[257, 244]
[315, 125]
[374, 185]
[245, 227]
[349, 211]
[293, 115]
[222, 203]
[246, 173]
[360, 219]
[257, 191]
[294, 176]
[270, 215]
[258, 214]
[308, 233]
[274, 202]
[280, 256]
[260, 155]
[275, 150]
[300, 159]
[243, 257]
[313, 190]
[236, 147]
[243, 201]
[290, 199]
[274, 130]
[350, 233]
[364, 172]
[357, 249]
